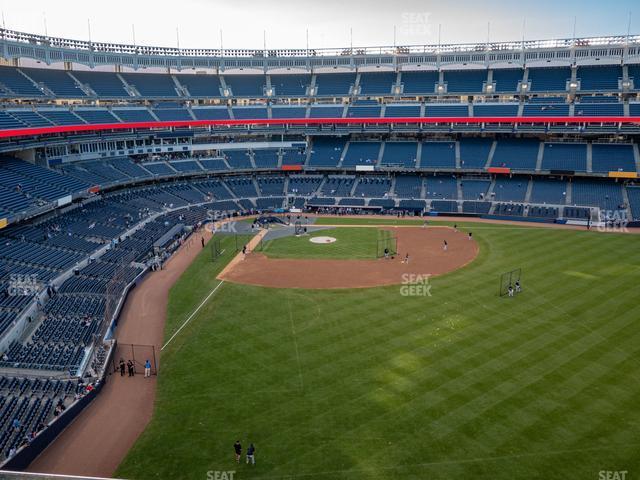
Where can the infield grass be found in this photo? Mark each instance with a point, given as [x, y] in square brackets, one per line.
[351, 243]
[370, 384]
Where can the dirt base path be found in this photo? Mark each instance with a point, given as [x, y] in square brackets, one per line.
[99, 439]
[426, 256]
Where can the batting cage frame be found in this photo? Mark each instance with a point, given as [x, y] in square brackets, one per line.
[387, 240]
[216, 250]
[299, 228]
[509, 279]
[138, 354]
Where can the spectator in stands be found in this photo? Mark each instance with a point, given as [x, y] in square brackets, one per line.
[121, 364]
[238, 449]
[16, 424]
[251, 454]
[147, 369]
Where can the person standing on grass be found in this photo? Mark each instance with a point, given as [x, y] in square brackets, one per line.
[510, 290]
[251, 454]
[147, 369]
[470, 235]
[238, 449]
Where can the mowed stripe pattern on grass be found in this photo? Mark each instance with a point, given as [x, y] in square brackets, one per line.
[370, 384]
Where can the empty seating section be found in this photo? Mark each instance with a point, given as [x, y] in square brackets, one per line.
[61, 117]
[408, 186]
[250, 112]
[56, 81]
[288, 112]
[474, 189]
[96, 116]
[242, 187]
[338, 186]
[419, 83]
[159, 168]
[334, 84]
[304, 185]
[153, 85]
[506, 79]
[509, 209]
[400, 154]
[441, 186]
[186, 166]
[361, 153]
[509, 189]
[172, 114]
[326, 152]
[599, 78]
[104, 84]
[377, 83]
[216, 164]
[363, 111]
[293, 85]
[565, 156]
[598, 109]
[246, 85]
[266, 158]
[451, 110]
[538, 109]
[372, 187]
[15, 84]
[548, 191]
[238, 159]
[271, 186]
[495, 110]
[612, 158]
[317, 111]
[516, 154]
[592, 193]
[395, 111]
[214, 113]
[474, 152]
[134, 115]
[464, 81]
[549, 79]
[198, 85]
[634, 201]
[30, 118]
[438, 155]
[10, 121]
[295, 156]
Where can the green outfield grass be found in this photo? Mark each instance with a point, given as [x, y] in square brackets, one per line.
[351, 243]
[370, 384]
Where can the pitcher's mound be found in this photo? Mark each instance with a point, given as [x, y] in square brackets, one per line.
[322, 240]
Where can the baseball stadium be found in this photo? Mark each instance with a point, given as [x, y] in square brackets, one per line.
[412, 261]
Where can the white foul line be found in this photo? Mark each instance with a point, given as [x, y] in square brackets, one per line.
[192, 315]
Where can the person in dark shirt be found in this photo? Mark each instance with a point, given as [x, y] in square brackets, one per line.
[238, 449]
[251, 454]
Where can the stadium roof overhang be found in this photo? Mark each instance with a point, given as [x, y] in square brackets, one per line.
[579, 120]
